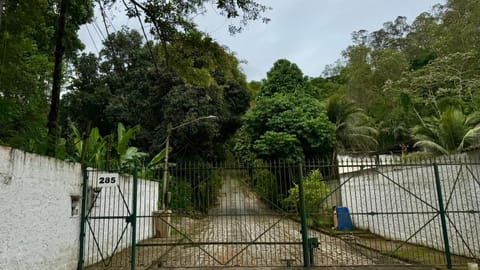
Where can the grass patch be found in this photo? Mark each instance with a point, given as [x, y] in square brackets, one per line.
[407, 252]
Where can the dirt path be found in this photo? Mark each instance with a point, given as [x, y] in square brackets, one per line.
[243, 231]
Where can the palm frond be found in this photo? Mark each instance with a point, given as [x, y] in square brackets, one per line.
[431, 146]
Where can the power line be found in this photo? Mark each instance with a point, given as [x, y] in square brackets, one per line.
[111, 23]
[98, 30]
[102, 11]
[152, 56]
[93, 41]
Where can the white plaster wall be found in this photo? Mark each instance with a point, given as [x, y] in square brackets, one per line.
[411, 190]
[36, 228]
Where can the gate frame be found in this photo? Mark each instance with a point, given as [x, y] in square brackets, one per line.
[306, 245]
[132, 219]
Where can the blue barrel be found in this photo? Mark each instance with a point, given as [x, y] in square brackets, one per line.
[344, 220]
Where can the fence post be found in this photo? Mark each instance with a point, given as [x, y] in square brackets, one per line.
[303, 215]
[134, 220]
[448, 255]
[82, 220]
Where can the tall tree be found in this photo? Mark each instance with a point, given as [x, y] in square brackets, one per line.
[52, 124]
[27, 43]
[126, 86]
[287, 122]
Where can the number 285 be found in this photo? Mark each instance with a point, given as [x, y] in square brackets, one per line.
[107, 180]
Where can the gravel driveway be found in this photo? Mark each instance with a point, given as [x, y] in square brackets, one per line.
[242, 231]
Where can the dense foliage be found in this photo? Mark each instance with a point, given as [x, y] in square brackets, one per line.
[27, 30]
[410, 77]
[123, 85]
[405, 87]
[287, 122]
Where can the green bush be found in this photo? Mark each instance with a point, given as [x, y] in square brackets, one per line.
[315, 190]
[265, 183]
[181, 195]
[209, 191]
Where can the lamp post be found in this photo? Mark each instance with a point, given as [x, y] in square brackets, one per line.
[167, 145]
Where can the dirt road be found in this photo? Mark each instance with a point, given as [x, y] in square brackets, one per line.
[243, 231]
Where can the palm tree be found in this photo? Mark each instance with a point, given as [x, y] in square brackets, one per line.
[353, 131]
[449, 133]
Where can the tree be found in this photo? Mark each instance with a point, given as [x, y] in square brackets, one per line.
[124, 85]
[451, 78]
[287, 121]
[352, 128]
[461, 21]
[286, 77]
[27, 36]
[448, 134]
[61, 34]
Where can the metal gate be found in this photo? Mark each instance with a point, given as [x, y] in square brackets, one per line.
[109, 220]
[404, 212]
[281, 214]
[216, 216]
[216, 219]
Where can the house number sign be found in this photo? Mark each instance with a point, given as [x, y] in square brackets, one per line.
[107, 179]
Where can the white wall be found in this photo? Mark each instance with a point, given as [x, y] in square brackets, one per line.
[394, 191]
[37, 230]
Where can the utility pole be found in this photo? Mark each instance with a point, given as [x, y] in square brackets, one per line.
[53, 129]
[165, 168]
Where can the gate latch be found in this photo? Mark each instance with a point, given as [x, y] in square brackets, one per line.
[313, 242]
[129, 219]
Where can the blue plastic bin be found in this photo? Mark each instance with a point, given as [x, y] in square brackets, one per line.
[344, 220]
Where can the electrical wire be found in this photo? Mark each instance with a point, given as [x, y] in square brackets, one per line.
[93, 40]
[99, 30]
[152, 55]
[102, 11]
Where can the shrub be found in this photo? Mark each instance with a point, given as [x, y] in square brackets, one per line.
[265, 183]
[315, 190]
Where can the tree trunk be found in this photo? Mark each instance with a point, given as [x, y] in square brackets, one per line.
[2, 3]
[53, 128]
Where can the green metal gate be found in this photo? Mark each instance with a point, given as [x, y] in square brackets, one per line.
[276, 214]
[217, 216]
[216, 219]
[108, 229]
[404, 212]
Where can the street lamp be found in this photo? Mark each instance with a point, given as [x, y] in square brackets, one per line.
[167, 145]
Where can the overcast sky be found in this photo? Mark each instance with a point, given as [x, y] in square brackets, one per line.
[310, 33]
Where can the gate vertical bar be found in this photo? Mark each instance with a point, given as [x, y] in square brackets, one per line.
[83, 220]
[134, 220]
[448, 255]
[303, 214]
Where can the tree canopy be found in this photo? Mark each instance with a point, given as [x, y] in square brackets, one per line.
[287, 122]
[399, 88]
[403, 74]
[125, 86]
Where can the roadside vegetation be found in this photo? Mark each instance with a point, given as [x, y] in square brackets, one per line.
[409, 88]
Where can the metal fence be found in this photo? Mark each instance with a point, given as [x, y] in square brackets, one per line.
[275, 213]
